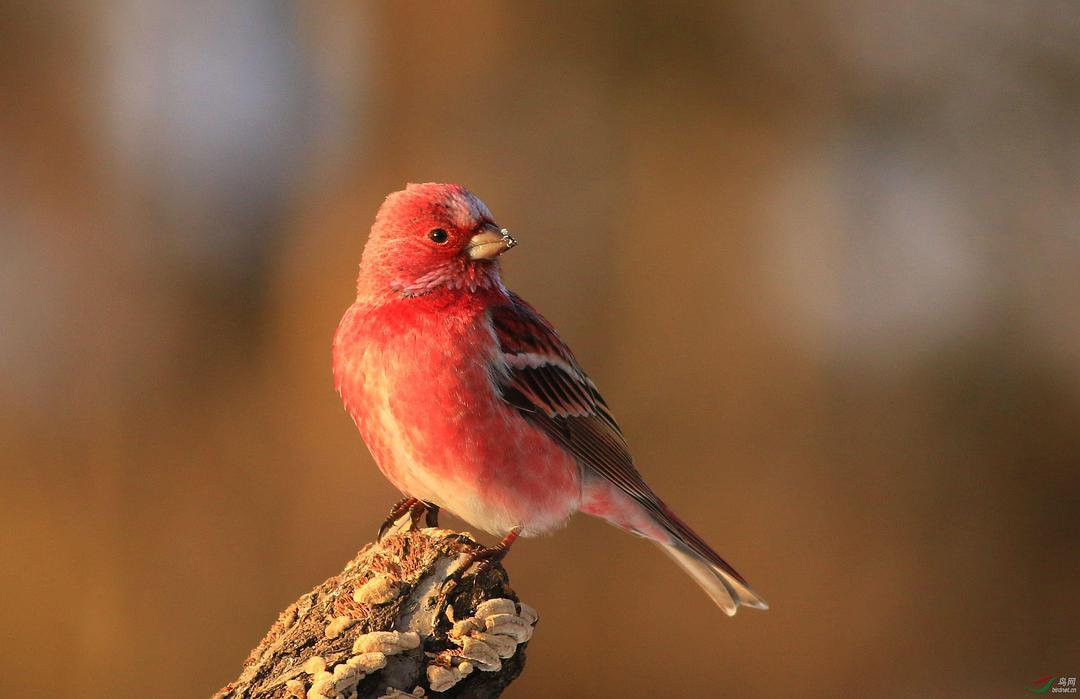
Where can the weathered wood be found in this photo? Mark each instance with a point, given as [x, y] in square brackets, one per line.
[450, 635]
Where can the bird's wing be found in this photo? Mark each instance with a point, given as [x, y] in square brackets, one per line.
[549, 389]
[544, 382]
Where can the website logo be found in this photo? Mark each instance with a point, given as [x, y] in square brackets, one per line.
[1053, 684]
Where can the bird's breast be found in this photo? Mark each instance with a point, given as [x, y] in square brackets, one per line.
[420, 390]
[418, 385]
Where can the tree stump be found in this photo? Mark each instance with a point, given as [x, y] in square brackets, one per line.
[400, 620]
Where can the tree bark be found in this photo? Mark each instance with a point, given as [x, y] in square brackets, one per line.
[402, 619]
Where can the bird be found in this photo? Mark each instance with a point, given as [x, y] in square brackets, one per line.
[469, 401]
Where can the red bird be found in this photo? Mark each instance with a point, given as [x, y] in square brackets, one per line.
[468, 399]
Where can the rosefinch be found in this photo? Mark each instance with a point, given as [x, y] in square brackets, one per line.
[468, 399]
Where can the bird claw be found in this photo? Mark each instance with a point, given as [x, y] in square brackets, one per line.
[416, 509]
[484, 558]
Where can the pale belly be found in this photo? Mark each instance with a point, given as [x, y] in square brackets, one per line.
[438, 431]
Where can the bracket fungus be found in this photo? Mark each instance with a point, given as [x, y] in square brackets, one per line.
[492, 634]
[398, 621]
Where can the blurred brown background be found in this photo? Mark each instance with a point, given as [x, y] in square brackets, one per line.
[822, 258]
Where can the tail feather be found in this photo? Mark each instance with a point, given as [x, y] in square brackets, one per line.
[715, 575]
[727, 590]
[644, 514]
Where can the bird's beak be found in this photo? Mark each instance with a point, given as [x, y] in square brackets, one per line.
[489, 243]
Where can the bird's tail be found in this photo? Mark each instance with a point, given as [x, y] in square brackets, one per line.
[728, 591]
[648, 516]
[715, 575]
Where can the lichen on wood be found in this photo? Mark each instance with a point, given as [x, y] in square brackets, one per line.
[401, 619]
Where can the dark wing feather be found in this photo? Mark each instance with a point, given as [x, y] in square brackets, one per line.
[546, 384]
[548, 387]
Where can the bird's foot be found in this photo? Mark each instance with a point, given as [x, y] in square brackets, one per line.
[416, 509]
[485, 557]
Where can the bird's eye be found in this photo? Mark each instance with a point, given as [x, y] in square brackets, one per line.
[438, 235]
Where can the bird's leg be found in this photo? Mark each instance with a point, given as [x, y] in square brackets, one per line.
[431, 517]
[485, 556]
[488, 555]
[425, 509]
[405, 505]
[416, 509]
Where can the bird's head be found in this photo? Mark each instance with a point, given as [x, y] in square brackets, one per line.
[429, 237]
